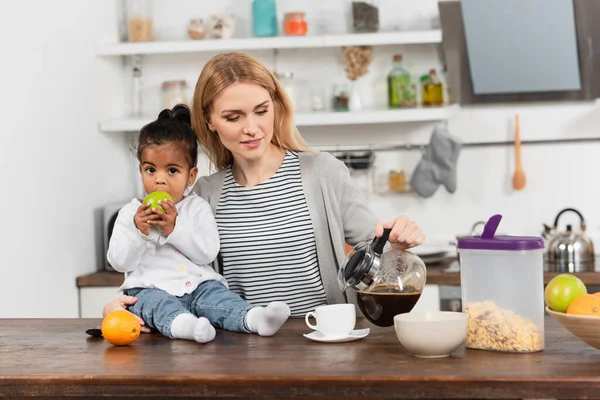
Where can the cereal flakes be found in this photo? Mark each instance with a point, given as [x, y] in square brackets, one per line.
[494, 328]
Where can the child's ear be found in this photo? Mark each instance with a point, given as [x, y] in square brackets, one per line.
[193, 174]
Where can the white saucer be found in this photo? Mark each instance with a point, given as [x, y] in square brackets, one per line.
[354, 335]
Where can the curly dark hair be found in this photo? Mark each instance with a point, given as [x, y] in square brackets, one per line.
[171, 126]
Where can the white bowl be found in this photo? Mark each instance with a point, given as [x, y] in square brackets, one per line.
[431, 334]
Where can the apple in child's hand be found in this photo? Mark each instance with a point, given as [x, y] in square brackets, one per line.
[154, 197]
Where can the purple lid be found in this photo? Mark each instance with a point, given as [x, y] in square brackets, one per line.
[501, 243]
[489, 241]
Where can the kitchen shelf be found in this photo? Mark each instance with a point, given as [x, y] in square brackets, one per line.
[281, 42]
[133, 124]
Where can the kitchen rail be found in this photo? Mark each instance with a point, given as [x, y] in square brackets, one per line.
[420, 146]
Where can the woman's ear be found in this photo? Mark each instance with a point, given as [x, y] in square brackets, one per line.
[192, 176]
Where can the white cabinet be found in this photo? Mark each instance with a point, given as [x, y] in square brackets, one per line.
[92, 299]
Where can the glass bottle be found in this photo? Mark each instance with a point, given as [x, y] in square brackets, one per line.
[264, 18]
[433, 90]
[401, 90]
[137, 92]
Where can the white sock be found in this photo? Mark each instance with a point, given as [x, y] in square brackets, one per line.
[187, 326]
[266, 321]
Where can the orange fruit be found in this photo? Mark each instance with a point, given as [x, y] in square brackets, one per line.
[597, 294]
[586, 304]
[120, 328]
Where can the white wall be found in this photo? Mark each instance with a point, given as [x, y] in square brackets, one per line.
[61, 168]
[57, 167]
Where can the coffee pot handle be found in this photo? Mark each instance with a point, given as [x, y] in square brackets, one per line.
[379, 242]
[573, 210]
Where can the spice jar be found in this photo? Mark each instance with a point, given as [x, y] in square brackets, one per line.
[294, 24]
[196, 29]
[341, 97]
[139, 21]
[365, 16]
[397, 181]
[173, 93]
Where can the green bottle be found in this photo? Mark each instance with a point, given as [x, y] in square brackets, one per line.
[401, 91]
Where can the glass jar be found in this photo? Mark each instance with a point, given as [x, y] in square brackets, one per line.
[341, 97]
[173, 93]
[502, 285]
[365, 16]
[196, 29]
[397, 181]
[264, 18]
[139, 21]
[286, 79]
[294, 24]
[317, 98]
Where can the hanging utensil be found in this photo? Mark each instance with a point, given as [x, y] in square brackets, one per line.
[519, 178]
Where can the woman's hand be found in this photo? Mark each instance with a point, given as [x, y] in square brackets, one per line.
[404, 235]
[120, 303]
[166, 223]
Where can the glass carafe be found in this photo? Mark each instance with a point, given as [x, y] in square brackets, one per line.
[386, 283]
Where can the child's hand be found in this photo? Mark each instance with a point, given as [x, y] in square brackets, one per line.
[142, 218]
[166, 221]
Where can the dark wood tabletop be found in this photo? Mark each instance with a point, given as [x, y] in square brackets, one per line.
[54, 358]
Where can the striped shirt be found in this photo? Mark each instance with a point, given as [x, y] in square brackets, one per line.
[267, 240]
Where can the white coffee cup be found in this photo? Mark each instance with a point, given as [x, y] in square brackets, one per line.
[334, 320]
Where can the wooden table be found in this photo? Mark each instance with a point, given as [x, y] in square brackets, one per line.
[55, 358]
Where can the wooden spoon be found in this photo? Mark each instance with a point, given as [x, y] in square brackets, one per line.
[519, 176]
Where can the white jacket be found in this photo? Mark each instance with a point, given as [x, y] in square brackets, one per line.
[176, 264]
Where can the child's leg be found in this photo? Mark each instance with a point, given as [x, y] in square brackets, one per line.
[169, 316]
[227, 310]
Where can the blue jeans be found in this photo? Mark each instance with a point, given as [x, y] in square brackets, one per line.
[211, 299]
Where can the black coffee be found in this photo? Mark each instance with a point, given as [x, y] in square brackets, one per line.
[382, 303]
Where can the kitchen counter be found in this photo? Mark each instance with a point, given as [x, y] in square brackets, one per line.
[435, 276]
[52, 358]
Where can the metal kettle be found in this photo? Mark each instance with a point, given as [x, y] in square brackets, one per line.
[568, 250]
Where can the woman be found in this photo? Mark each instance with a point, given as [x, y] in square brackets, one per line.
[284, 212]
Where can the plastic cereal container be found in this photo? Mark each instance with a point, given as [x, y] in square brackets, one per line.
[502, 290]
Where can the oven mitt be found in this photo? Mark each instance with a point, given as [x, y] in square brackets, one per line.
[423, 180]
[438, 165]
[445, 150]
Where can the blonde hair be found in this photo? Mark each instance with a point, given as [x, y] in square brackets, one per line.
[220, 72]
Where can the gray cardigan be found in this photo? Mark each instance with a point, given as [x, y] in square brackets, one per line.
[338, 212]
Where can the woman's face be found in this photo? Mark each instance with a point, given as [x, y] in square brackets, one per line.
[243, 117]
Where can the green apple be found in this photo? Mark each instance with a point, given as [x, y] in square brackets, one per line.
[154, 197]
[563, 289]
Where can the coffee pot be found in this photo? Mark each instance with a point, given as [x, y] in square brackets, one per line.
[568, 250]
[387, 283]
